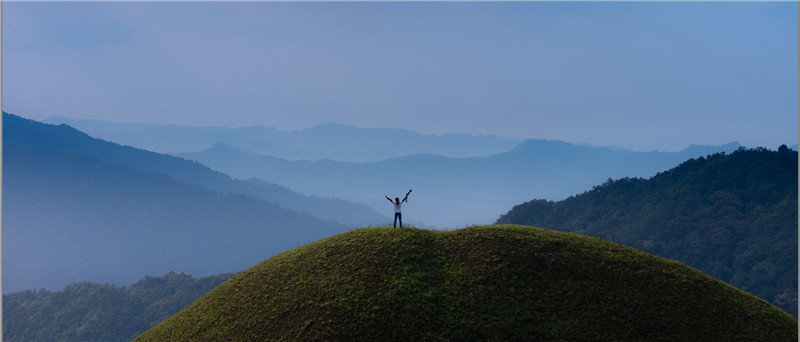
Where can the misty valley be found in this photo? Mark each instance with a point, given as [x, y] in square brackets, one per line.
[120, 226]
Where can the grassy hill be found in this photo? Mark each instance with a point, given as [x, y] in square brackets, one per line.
[478, 283]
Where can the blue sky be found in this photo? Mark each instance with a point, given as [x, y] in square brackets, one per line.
[637, 75]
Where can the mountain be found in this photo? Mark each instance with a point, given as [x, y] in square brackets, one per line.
[88, 311]
[329, 141]
[347, 213]
[482, 283]
[77, 208]
[733, 216]
[453, 192]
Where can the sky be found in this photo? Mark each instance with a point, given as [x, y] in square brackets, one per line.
[637, 75]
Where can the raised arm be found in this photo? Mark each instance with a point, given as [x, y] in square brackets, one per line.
[405, 199]
[387, 197]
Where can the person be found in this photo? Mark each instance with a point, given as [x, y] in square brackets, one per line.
[397, 204]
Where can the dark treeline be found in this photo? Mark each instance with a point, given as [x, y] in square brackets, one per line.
[733, 216]
[89, 311]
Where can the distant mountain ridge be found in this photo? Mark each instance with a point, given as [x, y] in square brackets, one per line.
[461, 179]
[77, 208]
[733, 216]
[77, 142]
[328, 141]
[454, 192]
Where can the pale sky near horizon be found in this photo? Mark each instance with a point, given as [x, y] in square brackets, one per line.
[637, 75]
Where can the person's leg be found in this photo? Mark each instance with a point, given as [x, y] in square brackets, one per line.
[400, 216]
[395, 220]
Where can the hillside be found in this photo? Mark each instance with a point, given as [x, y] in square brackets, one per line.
[479, 283]
[733, 216]
[77, 209]
[21, 133]
[454, 192]
[100, 312]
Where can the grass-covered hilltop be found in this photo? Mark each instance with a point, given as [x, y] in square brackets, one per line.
[478, 283]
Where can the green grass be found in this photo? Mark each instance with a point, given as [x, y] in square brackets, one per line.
[478, 283]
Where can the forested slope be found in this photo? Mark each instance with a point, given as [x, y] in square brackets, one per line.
[733, 216]
[89, 311]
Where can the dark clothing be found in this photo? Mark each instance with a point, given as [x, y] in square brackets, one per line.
[398, 216]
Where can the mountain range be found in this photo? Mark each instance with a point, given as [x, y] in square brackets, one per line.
[328, 141]
[451, 192]
[347, 213]
[458, 179]
[78, 208]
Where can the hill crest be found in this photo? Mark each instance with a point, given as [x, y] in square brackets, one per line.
[478, 283]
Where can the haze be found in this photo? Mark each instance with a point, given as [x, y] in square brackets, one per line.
[636, 75]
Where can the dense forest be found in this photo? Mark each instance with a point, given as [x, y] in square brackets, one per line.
[733, 216]
[100, 312]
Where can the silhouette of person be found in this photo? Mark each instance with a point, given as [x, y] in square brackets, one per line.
[397, 204]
